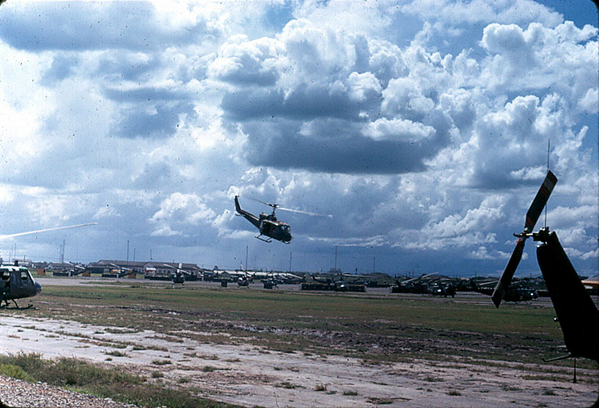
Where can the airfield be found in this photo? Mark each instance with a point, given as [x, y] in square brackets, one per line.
[249, 346]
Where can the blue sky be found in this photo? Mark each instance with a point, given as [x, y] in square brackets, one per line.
[421, 127]
[581, 11]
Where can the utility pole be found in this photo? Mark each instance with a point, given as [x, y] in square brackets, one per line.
[127, 250]
[62, 251]
[290, 256]
[335, 258]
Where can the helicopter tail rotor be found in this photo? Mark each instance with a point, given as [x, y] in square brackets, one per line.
[532, 215]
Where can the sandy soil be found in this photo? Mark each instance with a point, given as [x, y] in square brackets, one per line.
[252, 376]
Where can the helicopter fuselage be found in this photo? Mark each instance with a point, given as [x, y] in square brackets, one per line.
[267, 224]
[271, 227]
[16, 282]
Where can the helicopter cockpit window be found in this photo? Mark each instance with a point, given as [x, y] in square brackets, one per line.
[285, 228]
[24, 275]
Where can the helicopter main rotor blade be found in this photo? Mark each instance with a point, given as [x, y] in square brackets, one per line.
[508, 273]
[291, 209]
[264, 202]
[420, 277]
[304, 212]
[45, 230]
[532, 215]
[539, 202]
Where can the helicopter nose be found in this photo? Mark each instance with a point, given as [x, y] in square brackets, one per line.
[38, 288]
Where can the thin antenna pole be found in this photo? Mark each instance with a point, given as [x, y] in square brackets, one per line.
[548, 148]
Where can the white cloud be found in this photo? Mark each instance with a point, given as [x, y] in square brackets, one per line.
[399, 129]
[183, 208]
[480, 11]
[590, 101]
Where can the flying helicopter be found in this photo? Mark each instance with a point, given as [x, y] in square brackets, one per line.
[16, 281]
[268, 224]
[576, 312]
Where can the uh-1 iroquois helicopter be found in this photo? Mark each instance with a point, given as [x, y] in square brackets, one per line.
[16, 281]
[268, 225]
[575, 310]
[511, 294]
[179, 274]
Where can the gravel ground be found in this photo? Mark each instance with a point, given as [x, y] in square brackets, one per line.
[19, 393]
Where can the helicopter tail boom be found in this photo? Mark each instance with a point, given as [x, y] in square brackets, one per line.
[237, 206]
[576, 312]
[248, 216]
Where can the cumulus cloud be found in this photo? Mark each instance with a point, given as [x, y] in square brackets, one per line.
[91, 26]
[180, 211]
[422, 128]
[327, 119]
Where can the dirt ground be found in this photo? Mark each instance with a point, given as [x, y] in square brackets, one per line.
[252, 376]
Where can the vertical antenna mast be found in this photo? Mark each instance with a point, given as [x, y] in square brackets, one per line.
[548, 148]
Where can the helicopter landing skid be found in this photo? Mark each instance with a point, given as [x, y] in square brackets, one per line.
[7, 306]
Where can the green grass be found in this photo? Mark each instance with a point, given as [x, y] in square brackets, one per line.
[376, 328]
[309, 310]
[15, 371]
[89, 378]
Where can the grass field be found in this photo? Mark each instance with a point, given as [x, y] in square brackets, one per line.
[282, 319]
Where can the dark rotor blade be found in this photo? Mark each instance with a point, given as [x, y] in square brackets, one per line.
[304, 212]
[291, 209]
[508, 273]
[264, 202]
[536, 208]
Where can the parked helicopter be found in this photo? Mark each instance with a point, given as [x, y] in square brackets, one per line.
[178, 276]
[418, 284]
[268, 225]
[576, 312]
[16, 281]
[511, 293]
